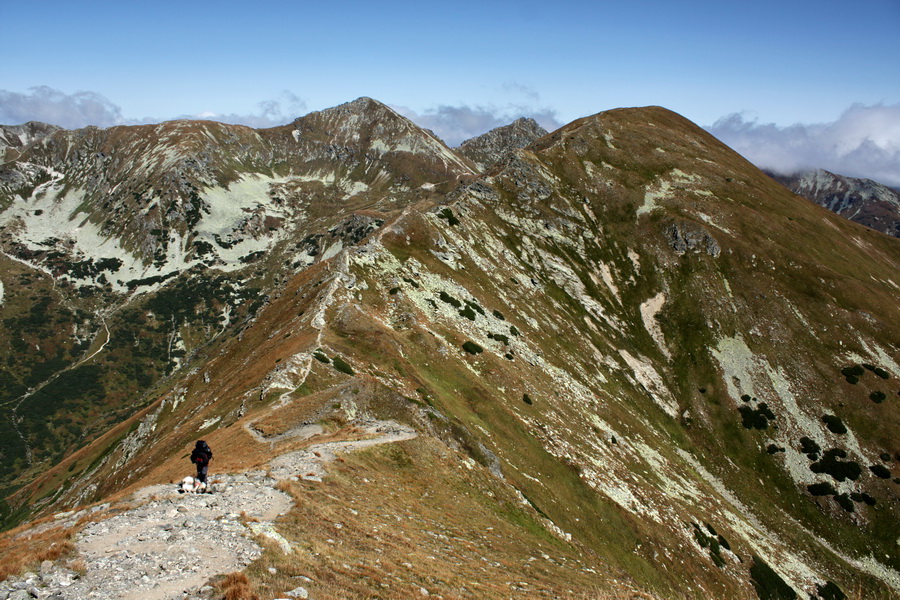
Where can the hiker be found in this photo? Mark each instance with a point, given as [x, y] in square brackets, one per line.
[201, 456]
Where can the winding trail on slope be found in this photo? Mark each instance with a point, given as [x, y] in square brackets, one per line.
[171, 544]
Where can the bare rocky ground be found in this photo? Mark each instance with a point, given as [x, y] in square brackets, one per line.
[170, 544]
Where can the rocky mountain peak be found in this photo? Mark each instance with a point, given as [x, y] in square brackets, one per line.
[18, 136]
[367, 130]
[497, 144]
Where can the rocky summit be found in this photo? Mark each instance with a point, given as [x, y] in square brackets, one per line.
[498, 144]
[613, 360]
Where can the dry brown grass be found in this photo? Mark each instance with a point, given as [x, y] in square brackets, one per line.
[25, 547]
[236, 586]
[20, 551]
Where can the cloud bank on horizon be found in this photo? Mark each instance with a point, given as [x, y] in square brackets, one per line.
[456, 124]
[81, 109]
[863, 142]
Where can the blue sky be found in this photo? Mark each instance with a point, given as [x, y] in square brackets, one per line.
[481, 63]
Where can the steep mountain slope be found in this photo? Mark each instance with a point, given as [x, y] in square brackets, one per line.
[138, 245]
[863, 201]
[648, 354]
[498, 144]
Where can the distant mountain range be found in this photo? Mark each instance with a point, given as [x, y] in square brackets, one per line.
[633, 360]
[863, 201]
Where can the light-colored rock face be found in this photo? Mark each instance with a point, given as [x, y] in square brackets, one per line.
[625, 323]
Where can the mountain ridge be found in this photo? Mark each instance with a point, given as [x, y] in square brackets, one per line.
[863, 201]
[582, 322]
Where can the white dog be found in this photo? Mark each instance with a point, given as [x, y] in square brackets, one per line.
[192, 485]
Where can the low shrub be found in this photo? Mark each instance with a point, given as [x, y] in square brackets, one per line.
[880, 471]
[768, 584]
[447, 214]
[839, 470]
[834, 424]
[472, 348]
[341, 365]
[808, 446]
[855, 370]
[468, 313]
[844, 502]
[445, 297]
[877, 397]
[830, 591]
[475, 306]
[821, 489]
[758, 418]
[499, 337]
[877, 370]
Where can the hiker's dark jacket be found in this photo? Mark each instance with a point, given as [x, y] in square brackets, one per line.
[201, 455]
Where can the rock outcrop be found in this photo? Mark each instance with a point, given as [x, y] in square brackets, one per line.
[498, 144]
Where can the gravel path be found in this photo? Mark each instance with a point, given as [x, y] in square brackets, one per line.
[171, 543]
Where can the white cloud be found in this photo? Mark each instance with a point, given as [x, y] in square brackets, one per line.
[455, 124]
[280, 111]
[73, 111]
[52, 106]
[863, 142]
